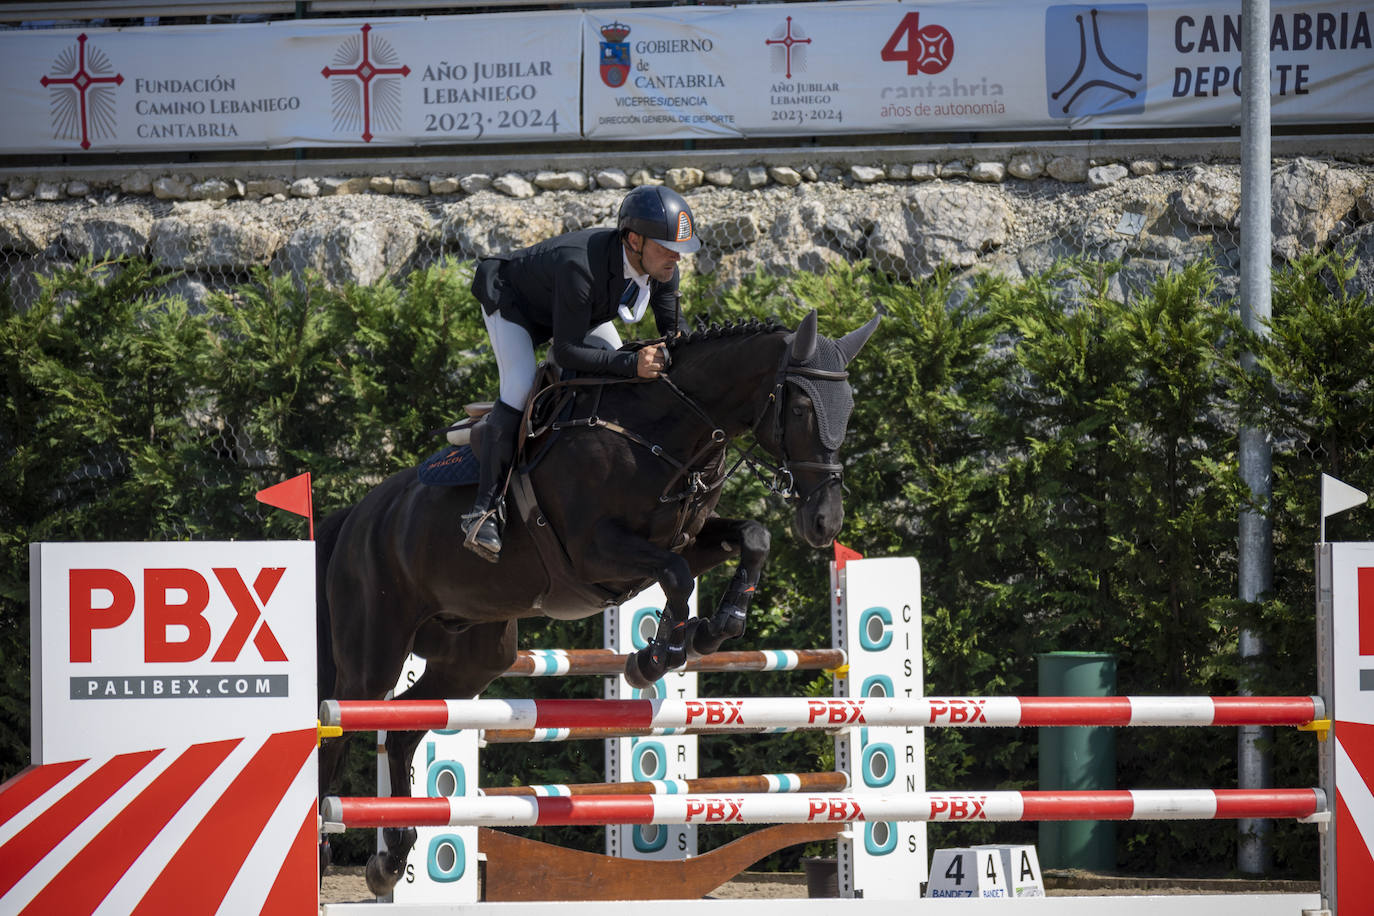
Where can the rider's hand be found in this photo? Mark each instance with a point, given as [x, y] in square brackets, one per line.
[652, 361]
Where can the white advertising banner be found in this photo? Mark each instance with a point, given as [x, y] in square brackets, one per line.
[962, 65]
[283, 84]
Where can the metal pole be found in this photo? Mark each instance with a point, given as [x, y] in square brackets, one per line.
[1256, 574]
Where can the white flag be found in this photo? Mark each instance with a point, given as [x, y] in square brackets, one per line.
[1338, 496]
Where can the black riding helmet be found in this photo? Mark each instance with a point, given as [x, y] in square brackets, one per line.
[661, 214]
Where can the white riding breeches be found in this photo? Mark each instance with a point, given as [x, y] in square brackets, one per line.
[515, 354]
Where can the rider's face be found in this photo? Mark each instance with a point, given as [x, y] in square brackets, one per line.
[653, 259]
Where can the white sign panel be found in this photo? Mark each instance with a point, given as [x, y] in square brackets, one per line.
[283, 84]
[140, 646]
[629, 628]
[961, 65]
[881, 621]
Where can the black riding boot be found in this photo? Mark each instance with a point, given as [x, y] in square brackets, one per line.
[495, 451]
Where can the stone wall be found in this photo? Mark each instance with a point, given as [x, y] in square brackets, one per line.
[1010, 211]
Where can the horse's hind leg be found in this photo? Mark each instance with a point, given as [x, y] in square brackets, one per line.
[458, 664]
[719, 540]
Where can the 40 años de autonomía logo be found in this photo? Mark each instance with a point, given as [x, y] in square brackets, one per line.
[82, 84]
[615, 54]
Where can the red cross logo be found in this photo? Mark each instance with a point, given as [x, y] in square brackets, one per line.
[77, 109]
[386, 95]
[787, 41]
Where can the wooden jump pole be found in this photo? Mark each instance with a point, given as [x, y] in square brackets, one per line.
[778, 782]
[607, 663]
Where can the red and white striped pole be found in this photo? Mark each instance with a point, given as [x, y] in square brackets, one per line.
[592, 810]
[824, 713]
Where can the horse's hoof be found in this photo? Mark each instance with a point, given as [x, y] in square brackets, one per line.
[380, 880]
[645, 667]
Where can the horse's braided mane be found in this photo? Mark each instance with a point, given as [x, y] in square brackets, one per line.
[717, 331]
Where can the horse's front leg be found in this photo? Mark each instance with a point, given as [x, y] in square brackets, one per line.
[616, 554]
[719, 540]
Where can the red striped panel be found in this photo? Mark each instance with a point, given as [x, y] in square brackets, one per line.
[28, 847]
[1101, 711]
[89, 876]
[1364, 604]
[1354, 862]
[593, 713]
[297, 889]
[1263, 710]
[1238, 803]
[203, 869]
[1107, 805]
[19, 791]
[593, 810]
[413, 715]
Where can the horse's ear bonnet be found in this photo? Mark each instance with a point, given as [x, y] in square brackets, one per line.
[834, 402]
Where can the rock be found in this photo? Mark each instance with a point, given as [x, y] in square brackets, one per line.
[483, 226]
[47, 190]
[1027, 165]
[988, 172]
[381, 184]
[1104, 176]
[213, 189]
[27, 232]
[1067, 168]
[1211, 197]
[137, 183]
[77, 189]
[720, 178]
[642, 177]
[119, 231]
[924, 171]
[809, 173]
[513, 185]
[447, 185]
[478, 181]
[866, 174]
[214, 240]
[265, 187]
[20, 188]
[1144, 166]
[1310, 199]
[948, 224]
[561, 181]
[730, 232]
[1364, 204]
[354, 244]
[683, 179]
[955, 168]
[615, 179]
[305, 187]
[412, 187]
[755, 176]
[168, 187]
[898, 171]
[785, 176]
[330, 187]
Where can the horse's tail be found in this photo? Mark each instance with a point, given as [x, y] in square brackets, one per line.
[325, 542]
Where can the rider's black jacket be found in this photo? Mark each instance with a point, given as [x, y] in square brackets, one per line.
[561, 288]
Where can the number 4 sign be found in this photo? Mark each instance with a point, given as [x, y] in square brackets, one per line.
[977, 872]
[925, 50]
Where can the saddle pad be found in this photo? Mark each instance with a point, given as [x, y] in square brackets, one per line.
[451, 466]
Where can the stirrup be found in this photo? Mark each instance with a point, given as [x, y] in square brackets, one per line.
[473, 525]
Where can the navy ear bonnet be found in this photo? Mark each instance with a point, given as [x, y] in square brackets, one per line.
[833, 400]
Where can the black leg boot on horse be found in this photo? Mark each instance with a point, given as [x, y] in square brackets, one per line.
[495, 445]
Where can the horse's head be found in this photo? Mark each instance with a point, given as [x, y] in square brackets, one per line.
[805, 425]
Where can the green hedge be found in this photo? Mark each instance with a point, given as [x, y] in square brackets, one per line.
[1061, 462]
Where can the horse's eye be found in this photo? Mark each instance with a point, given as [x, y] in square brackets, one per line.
[796, 410]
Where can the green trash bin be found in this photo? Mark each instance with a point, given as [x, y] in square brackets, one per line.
[1077, 757]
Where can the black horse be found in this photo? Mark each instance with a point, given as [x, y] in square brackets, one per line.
[617, 494]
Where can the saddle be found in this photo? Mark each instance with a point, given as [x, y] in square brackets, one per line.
[455, 464]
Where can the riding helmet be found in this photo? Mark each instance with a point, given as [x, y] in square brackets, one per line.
[661, 214]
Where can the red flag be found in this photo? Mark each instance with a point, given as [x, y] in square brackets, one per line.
[844, 554]
[292, 495]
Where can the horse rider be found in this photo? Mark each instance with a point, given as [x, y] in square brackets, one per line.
[567, 289]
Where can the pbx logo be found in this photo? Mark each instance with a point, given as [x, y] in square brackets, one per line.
[175, 602]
